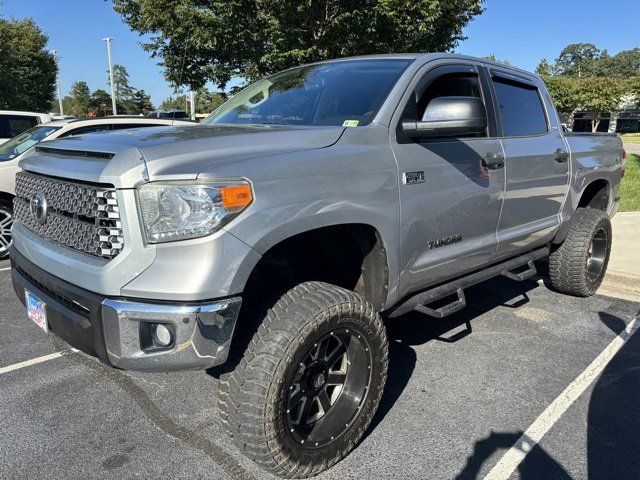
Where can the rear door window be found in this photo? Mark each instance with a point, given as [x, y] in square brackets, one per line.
[521, 108]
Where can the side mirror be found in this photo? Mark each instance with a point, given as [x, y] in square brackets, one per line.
[449, 117]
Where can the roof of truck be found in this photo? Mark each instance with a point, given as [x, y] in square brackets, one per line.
[431, 56]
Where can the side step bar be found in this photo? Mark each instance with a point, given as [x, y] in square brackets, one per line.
[420, 301]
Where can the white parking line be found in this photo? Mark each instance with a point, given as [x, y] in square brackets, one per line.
[35, 361]
[4, 269]
[529, 439]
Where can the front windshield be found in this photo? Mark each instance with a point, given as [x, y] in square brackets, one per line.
[345, 93]
[20, 143]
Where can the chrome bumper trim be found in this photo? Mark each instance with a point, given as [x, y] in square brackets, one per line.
[202, 334]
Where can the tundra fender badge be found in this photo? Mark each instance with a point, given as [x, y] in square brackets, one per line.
[410, 178]
[441, 242]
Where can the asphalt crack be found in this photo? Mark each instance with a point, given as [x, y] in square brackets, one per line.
[161, 420]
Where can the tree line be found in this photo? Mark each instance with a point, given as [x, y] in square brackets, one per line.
[201, 41]
[583, 77]
[81, 102]
[27, 70]
[206, 101]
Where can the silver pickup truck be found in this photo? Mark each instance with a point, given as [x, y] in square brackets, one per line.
[271, 240]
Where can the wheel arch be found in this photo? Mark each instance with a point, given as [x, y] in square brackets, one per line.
[596, 195]
[350, 255]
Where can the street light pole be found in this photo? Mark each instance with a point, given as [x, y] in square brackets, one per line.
[113, 87]
[55, 59]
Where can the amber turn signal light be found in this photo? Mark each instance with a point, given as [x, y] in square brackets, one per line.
[236, 196]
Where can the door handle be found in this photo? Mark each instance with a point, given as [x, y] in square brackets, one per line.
[561, 156]
[493, 161]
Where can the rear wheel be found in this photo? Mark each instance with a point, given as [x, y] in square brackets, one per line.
[6, 220]
[310, 381]
[578, 266]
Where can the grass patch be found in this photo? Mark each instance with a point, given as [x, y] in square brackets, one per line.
[630, 188]
[631, 137]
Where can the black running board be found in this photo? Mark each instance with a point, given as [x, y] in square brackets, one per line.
[420, 301]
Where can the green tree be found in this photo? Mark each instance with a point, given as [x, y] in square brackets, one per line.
[128, 99]
[173, 103]
[579, 60]
[141, 102]
[493, 58]
[207, 102]
[564, 92]
[66, 105]
[586, 60]
[80, 99]
[124, 91]
[634, 87]
[600, 95]
[27, 70]
[546, 69]
[622, 64]
[101, 102]
[210, 40]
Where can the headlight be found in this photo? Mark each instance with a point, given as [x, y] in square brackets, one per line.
[173, 211]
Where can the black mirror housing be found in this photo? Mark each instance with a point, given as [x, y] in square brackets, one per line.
[449, 117]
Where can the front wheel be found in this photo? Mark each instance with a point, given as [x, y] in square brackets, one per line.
[6, 220]
[577, 267]
[310, 381]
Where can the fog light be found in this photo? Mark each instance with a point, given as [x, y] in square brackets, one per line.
[162, 335]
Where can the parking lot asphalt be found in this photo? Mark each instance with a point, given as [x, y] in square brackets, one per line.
[461, 391]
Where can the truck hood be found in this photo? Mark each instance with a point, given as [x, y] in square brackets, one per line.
[127, 158]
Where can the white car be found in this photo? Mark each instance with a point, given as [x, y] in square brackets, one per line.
[13, 123]
[12, 150]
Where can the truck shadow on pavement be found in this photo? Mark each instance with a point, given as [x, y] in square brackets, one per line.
[613, 429]
[539, 464]
[415, 329]
[613, 425]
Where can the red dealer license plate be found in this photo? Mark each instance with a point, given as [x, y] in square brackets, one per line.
[37, 310]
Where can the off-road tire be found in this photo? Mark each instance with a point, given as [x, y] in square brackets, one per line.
[568, 264]
[6, 211]
[253, 398]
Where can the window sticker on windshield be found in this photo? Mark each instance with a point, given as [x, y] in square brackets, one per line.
[351, 123]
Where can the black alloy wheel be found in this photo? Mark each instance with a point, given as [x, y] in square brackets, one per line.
[597, 254]
[328, 388]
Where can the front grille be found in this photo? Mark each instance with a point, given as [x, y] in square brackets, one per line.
[81, 216]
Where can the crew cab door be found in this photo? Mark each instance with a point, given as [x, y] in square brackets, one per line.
[451, 188]
[537, 163]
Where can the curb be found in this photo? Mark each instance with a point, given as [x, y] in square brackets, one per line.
[623, 281]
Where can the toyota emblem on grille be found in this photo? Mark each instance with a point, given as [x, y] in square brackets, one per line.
[39, 208]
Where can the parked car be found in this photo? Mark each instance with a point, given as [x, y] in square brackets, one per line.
[167, 114]
[307, 207]
[12, 151]
[13, 123]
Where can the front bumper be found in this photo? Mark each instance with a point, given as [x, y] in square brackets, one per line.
[113, 329]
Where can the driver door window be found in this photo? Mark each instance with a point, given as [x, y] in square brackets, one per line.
[457, 84]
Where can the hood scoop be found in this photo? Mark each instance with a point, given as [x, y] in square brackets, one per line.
[75, 153]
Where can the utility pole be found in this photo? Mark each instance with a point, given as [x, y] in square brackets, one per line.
[55, 59]
[113, 87]
[192, 99]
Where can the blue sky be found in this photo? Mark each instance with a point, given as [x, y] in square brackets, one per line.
[522, 31]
